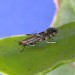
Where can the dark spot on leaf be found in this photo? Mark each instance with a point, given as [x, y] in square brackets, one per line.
[29, 69]
[72, 56]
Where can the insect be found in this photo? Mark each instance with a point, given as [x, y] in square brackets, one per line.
[31, 41]
[34, 38]
[47, 33]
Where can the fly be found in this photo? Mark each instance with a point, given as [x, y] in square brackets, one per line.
[34, 38]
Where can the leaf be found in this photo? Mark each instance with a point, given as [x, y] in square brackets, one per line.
[67, 69]
[40, 58]
[66, 13]
[43, 57]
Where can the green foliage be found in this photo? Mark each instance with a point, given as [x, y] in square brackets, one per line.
[66, 12]
[38, 59]
[67, 69]
[43, 57]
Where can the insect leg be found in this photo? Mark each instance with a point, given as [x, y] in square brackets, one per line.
[23, 49]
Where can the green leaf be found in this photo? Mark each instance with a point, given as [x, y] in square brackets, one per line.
[67, 69]
[66, 12]
[41, 58]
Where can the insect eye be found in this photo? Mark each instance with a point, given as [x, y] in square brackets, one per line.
[54, 30]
